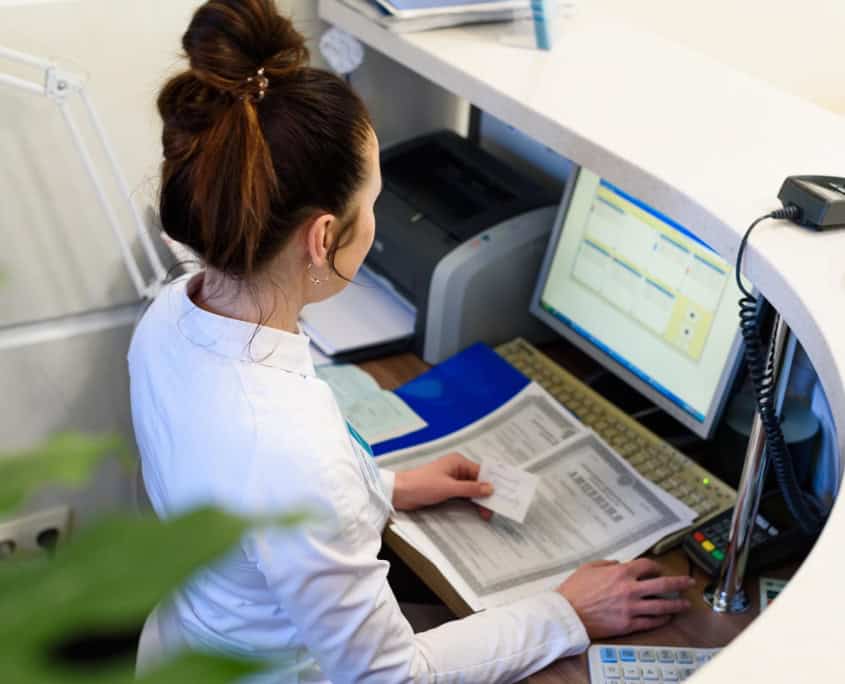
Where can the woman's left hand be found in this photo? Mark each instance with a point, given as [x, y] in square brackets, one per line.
[448, 477]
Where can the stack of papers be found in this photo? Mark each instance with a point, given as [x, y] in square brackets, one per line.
[406, 16]
[419, 8]
[586, 504]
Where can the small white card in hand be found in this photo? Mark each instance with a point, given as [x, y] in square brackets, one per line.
[513, 489]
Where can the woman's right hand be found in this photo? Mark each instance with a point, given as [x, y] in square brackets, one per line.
[613, 598]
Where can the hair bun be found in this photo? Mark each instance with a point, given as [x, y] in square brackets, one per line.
[228, 41]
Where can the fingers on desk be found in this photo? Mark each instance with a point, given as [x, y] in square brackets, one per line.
[643, 567]
[645, 623]
[664, 585]
[660, 607]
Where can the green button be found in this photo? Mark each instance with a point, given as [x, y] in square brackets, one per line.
[718, 555]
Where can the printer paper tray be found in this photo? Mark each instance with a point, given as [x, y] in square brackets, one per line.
[367, 318]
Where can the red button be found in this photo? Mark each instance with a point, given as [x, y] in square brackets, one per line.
[699, 537]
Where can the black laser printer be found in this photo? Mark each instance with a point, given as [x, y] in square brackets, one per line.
[461, 235]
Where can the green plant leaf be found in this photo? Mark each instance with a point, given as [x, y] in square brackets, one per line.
[67, 459]
[106, 581]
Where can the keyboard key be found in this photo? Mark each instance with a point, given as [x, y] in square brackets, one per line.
[684, 656]
[631, 671]
[701, 658]
[627, 655]
[647, 655]
[651, 674]
[608, 655]
[686, 672]
[666, 655]
[707, 507]
[670, 674]
[612, 672]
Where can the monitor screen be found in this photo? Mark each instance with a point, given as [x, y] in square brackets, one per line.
[644, 296]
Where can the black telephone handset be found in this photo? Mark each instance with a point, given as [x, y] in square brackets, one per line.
[817, 202]
[820, 200]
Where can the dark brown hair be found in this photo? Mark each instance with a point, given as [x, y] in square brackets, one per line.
[243, 169]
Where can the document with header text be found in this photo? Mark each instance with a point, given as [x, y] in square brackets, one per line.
[589, 504]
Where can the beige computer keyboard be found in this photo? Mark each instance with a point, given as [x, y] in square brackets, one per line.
[649, 454]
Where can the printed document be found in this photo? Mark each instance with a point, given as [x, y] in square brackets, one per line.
[515, 433]
[589, 505]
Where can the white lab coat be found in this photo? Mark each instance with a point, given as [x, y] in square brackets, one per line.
[231, 417]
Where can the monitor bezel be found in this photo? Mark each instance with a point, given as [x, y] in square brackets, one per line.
[703, 429]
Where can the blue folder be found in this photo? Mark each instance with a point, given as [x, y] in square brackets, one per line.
[455, 393]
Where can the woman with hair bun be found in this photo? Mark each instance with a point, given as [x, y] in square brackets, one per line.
[270, 174]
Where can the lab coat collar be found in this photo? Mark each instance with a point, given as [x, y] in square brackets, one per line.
[239, 340]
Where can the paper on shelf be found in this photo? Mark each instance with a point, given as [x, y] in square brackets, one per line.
[427, 22]
[419, 8]
[366, 313]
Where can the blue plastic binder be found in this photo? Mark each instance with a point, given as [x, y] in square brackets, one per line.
[455, 393]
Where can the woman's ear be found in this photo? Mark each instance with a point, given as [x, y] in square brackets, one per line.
[319, 236]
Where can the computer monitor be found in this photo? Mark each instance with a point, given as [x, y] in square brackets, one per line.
[643, 296]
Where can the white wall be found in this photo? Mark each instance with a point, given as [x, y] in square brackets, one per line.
[58, 256]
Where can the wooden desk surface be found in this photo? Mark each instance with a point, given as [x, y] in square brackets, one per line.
[699, 627]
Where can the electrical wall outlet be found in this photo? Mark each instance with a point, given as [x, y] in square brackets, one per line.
[34, 532]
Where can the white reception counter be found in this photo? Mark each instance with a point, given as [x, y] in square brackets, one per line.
[709, 146]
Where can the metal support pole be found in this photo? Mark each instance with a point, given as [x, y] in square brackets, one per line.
[728, 596]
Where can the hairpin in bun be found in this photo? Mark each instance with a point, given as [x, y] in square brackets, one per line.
[261, 82]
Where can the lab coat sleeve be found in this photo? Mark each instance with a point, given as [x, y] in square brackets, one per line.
[335, 591]
[388, 482]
